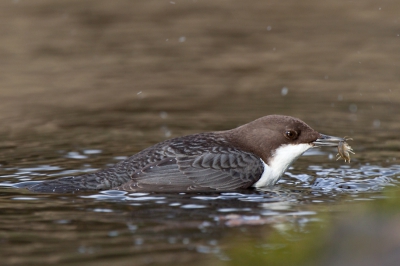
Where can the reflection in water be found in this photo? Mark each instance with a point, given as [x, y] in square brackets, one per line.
[175, 223]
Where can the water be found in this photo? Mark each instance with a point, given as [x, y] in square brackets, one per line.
[85, 85]
[155, 228]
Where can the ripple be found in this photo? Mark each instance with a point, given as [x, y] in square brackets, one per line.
[234, 210]
[138, 194]
[92, 151]
[39, 168]
[316, 184]
[193, 206]
[24, 198]
[146, 198]
[114, 192]
[75, 155]
[102, 210]
[347, 179]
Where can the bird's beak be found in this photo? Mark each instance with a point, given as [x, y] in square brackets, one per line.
[327, 141]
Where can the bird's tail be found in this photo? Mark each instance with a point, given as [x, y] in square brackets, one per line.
[101, 180]
[69, 184]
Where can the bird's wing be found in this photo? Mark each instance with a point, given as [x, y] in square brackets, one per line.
[195, 162]
[219, 170]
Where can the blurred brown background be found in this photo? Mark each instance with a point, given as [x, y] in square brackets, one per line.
[68, 64]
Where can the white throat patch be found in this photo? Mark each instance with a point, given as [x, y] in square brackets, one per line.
[283, 157]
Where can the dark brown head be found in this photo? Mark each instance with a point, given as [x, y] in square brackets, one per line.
[265, 135]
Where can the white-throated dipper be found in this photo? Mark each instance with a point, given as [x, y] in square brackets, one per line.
[255, 154]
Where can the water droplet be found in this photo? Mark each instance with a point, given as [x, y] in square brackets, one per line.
[269, 28]
[340, 97]
[163, 115]
[182, 39]
[113, 233]
[353, 108]
[172, 240]
[284, 91]
[166, 131]
[139, 241]
[377, 123]
[140, 94]
[132, 227]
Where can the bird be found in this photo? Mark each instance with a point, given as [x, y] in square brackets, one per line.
[255, 154]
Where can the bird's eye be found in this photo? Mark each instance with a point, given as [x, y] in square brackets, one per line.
[291, 134]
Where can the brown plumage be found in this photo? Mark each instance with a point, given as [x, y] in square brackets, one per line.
[225, 160]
